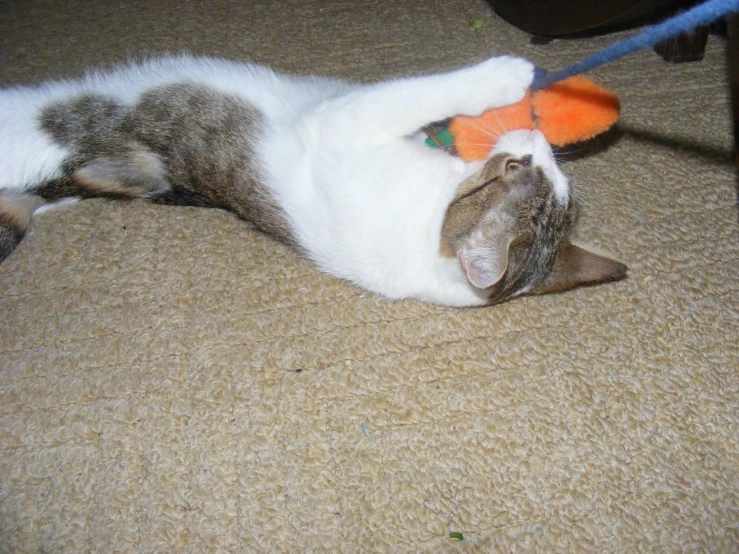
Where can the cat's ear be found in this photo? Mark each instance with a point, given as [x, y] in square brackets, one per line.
[486, 264]
[578, 266]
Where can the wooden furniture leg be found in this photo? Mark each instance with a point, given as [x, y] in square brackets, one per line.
[686, 47]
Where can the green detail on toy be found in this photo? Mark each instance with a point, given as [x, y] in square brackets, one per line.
[444, 137]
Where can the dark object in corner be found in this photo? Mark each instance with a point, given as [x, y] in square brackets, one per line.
[541, 39]
[546, 19]
[686, 47]
[733, 64]
[554, 18]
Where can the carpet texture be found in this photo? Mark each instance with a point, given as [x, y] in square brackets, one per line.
[172, 381]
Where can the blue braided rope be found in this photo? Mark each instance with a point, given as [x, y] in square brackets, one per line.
[702, 14]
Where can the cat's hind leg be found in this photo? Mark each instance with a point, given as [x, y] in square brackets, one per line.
[102, 157]
[135, 173]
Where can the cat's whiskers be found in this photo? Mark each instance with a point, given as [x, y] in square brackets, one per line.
[572, 151]
[580, 199]
[486, 129]
[579, 194]
[479, 144]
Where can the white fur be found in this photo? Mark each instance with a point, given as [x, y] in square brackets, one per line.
[54, 205]
[27, 154]
[364, 199]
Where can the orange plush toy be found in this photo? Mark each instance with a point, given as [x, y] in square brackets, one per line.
[567, 112]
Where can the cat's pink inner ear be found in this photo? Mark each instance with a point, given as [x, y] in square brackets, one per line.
[484, 266]
[578, 266]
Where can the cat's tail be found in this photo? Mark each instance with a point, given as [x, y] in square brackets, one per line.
[16, 209]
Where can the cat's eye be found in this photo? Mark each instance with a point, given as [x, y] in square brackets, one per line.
[518, 163]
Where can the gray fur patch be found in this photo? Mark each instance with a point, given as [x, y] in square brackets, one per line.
[182, 143]
[208, 141]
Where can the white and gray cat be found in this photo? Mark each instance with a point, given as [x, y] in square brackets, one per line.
[336, 170]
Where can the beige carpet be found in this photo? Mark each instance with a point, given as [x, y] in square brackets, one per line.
[171, 381]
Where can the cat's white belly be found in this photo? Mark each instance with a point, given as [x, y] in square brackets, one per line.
[378, 224]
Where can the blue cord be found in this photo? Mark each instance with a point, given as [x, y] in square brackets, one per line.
[686, 22]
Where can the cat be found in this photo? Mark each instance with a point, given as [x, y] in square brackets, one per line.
[335, 170]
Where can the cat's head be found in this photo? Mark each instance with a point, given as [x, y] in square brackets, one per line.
[510, 225]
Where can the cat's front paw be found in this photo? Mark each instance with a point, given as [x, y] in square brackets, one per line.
[502, 81]
[513, 78]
